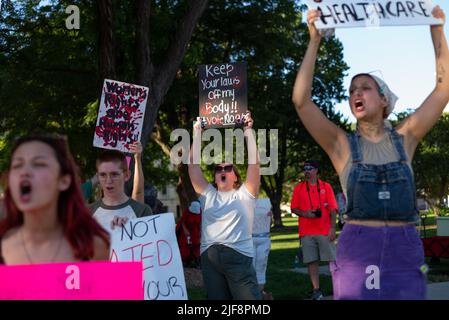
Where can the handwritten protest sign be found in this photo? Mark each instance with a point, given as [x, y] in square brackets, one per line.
[120, 115]
[152, 240]
[374, 13]
[72, 281]
[222, 94]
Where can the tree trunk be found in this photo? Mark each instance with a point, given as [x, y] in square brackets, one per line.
[144, 66]
[106, 41]
[276, 203]
[160, 78]
[442, 192]
[277, 218]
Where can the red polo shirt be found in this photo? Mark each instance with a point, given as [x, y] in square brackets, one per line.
[326, 201]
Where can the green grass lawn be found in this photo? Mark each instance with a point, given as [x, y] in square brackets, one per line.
[286, 284]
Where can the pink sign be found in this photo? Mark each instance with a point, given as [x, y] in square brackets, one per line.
[72, 281]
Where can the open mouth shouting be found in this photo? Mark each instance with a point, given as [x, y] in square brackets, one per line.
[359, 105]
[25, 191]
[223, 178]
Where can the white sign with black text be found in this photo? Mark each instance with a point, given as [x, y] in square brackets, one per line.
[373, 13]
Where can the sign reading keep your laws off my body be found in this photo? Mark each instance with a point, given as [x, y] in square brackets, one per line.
[222, 94]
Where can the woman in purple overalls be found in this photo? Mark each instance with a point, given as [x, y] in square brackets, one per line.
[379, 252]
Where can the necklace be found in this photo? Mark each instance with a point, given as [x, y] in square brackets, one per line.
[28, 254]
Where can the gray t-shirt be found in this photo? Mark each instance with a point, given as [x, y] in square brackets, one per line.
[131, 209]
[227, 219]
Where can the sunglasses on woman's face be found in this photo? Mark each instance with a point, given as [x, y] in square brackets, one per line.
[227, 168]
[308, 168]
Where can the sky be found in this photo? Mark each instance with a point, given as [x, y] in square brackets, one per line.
[404, 56]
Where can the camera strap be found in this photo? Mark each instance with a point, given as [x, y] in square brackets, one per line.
[308, 193]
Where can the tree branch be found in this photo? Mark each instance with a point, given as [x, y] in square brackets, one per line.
[166, 72]
[161, 78]
[157, 137]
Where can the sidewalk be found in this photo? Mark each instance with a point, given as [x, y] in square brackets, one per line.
[323, 270]
[438, 291]
[435, 291]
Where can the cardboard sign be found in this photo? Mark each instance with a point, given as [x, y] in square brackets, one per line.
[262, 216]
[152, 240]
[72, 281]
[374, 13]
[120, 115]
[223, 94]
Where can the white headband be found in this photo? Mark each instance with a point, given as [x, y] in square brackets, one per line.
[384, 90]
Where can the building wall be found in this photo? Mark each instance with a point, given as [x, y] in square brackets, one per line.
[170, 199]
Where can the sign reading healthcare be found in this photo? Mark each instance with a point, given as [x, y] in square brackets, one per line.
[223, 94]
[72, 281]
[120, 116]
[152, 240]
[373, 13]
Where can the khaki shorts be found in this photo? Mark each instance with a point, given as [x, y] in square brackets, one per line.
[317, 248]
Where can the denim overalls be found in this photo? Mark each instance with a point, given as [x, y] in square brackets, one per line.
[381, 192]
[379, 262]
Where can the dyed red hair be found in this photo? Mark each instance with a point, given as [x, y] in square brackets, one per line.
[79, 226]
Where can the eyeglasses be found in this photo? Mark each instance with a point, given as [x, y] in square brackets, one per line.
[308, 168]
[227, 168]
[113, 175]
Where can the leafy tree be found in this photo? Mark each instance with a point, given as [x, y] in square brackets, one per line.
[270, 37]
[50, 77]
[47, 76]
[431, 165]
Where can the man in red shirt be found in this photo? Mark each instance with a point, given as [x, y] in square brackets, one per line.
[314, 202]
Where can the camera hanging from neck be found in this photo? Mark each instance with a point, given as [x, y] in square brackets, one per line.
[310, 199]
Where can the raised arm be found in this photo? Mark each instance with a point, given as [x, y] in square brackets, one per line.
[199, 183]
[139, 180]
[330, 137]
[416, 126]
[252, 182]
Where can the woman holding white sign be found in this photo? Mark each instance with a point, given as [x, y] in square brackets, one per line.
[46, 218]
[226, 228]
[379, 252]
